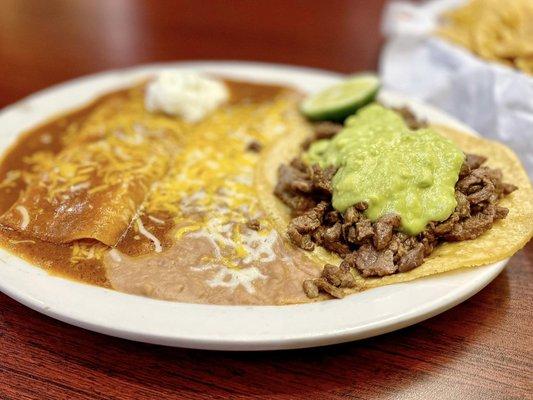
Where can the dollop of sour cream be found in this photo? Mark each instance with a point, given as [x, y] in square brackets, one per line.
[186, 94]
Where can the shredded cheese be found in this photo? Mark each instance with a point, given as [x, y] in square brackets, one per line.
[156, 220]
[231, 278]
[143, 231]
[259, 248]
[23, 211]
[213, 183]
[87, 251]
[46, 138]
[11, 178]
[21, 241]
[80, 186]
[119, 144]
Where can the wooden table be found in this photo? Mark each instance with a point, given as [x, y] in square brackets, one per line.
[481, 349]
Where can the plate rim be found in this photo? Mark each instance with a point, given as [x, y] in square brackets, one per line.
[484, 274]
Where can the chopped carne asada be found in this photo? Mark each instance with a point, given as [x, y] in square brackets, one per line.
[254, 224]
[379, 248]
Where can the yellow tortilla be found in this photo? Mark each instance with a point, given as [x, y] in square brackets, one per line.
[505, 238]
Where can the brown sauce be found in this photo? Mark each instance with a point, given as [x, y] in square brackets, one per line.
[55, 258]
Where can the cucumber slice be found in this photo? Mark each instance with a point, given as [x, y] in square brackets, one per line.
[341, 100]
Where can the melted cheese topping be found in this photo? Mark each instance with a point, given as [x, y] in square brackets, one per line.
[211, 183]
[117, 144]
[11, 179]
[156, 220]
[259, 247]
[232, 278]
[87, 251]
[143, 231]
[24, 215]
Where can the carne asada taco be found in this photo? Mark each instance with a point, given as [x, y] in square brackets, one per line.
[383, 198]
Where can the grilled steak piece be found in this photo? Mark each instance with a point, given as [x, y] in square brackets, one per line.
[371, 262]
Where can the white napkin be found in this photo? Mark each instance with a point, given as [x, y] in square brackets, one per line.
[495, 100]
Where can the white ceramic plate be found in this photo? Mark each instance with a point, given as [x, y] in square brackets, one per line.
[370, 313]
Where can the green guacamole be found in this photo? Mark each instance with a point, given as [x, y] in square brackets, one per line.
[391, 167]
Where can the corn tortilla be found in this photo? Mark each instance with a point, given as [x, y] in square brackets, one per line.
[505, 238]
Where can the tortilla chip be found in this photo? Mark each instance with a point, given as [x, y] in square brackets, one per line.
[491, 30]
[505, 238]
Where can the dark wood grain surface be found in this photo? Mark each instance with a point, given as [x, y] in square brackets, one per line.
[481, 349]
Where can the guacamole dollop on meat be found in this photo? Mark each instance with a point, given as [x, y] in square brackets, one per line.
[391, 168]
